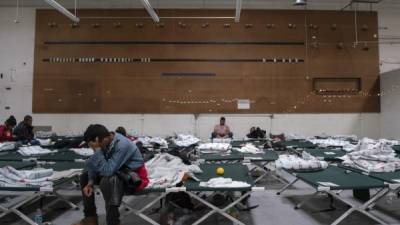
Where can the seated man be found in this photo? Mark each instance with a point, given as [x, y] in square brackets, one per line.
[222, 130]
[24, 132]
[6, 129]
[117, 166]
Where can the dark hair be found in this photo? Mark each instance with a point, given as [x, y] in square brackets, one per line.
[11, 121]
[222, 118]
[121, 130]
[95, 131]
[27, 117]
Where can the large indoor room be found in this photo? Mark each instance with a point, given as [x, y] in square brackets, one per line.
[199, 112]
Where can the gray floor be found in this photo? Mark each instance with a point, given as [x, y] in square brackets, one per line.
[272, 209]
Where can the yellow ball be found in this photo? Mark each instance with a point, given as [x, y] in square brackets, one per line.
[220, 171]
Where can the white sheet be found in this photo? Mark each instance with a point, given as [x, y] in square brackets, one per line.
[83, 151]
[214, 147]
[221, 182]
[294, 162]
[249, 148]
[166, 170]
[6, 146]
[10, 177]
[33, 150]
[185, 140]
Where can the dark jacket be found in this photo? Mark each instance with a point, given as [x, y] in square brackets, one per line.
[23, 132]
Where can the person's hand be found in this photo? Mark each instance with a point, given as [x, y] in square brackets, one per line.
[88, 190]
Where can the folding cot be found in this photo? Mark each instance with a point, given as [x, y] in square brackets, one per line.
[32, 193]
[237, 172]
[337, 179]
[392, 179]
[292, 144]
[56, 156]
[326, 154]
[259, 161]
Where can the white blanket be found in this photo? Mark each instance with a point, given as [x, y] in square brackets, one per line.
[166, 170]
[149, 141]
[214, 147]
[45, 142]
[33, 150]
[329, 142]
[6, 146]
[373, 156]
[306, 162]
[83, 151]
[221, 182]
[221, 140]
[10, 177]
[185, 140]
[249, 148]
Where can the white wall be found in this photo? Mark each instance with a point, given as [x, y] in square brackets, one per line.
[390, 83]
[16, 63]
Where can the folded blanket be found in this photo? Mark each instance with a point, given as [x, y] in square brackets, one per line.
[7, 146]
[44, 134]
[83, 151]
[44, 142]
[304, 163]
[329, 142]
[214, 147]
[33, 150]
[221, 182]
[10, 177]
[185, 140]
[57, 175]
[221, 140]
[149, 141]
[166, 170]
[249, 148]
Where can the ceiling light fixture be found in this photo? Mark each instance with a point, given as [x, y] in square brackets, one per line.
[62, 10]
[150, 10]
[238, 10]
[300, 2]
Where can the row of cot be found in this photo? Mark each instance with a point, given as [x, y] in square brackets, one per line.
[327, 181]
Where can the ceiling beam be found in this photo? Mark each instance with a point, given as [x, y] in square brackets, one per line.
[62, 10]
[150, 10]
[238, 10]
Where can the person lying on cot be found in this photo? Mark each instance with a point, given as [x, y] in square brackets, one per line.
[24, 132]
[117, 166]
[6, 129]
[222, 130]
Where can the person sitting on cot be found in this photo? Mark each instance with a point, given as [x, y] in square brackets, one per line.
[117, 166]
[222, 130]
[6, 133]
[24, 132]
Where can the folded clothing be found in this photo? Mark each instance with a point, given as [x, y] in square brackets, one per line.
[306, 162]
[249, 148]
[221, 182]
[33, 150]
[10, 177]
[83, 151]
[214, 147]
[185, 140]
[166, 170]
[7, 146]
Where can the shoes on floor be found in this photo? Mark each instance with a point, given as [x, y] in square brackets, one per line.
[88, 221]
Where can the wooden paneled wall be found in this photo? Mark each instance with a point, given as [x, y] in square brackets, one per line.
[272, 58]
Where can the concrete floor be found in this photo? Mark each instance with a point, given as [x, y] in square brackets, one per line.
[272, 209]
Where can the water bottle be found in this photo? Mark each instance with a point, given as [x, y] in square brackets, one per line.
[38, 217]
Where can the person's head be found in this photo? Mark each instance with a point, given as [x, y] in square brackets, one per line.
[97, 136]
[222, 121]
[28, 120]
[121, 130]
[252, 129]
[11, 122]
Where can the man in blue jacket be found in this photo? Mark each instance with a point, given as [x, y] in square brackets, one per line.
[112, 154]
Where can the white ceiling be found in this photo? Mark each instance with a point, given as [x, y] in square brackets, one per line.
[282, 4]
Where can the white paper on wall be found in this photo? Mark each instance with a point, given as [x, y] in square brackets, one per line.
[243, 103]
